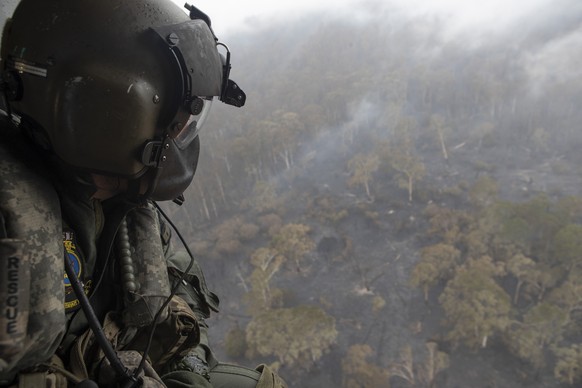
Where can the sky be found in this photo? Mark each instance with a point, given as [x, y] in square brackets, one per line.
[470, 22]
[230, 16]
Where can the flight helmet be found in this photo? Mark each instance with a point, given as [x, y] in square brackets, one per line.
[116, 87]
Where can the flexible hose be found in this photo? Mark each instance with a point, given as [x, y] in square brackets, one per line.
[116, 364]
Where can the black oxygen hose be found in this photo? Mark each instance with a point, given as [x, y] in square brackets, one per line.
[128, 380]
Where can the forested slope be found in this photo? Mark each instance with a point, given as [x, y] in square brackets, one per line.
[396, 205]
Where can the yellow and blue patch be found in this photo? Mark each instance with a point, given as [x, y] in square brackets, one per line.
[76, 259]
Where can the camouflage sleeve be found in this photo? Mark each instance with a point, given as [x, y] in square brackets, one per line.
[31, 260]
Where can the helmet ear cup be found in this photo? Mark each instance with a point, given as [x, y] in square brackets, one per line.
[11, 85]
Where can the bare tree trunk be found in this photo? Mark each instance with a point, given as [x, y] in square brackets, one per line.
[204, 205]
[409, 188]
[285, 156]
[242, 280]
[227, 162]
[214, 208]
[221, 188]
[443, 146]
[516, 294]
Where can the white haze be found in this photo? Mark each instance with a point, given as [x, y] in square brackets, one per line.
[553, 59]
[462, 16]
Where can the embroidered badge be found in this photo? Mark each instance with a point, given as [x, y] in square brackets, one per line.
[75, 258]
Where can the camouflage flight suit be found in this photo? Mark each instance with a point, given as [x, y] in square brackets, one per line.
[124, 257]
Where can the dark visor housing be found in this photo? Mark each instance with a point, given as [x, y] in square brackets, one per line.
[191, 51]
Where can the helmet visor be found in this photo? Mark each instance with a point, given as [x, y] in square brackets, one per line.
[195, 122]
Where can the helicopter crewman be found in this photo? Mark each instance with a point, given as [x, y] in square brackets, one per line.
[104, 101]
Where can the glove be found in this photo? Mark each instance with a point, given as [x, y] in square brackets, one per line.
[130, 359]
[190, 371]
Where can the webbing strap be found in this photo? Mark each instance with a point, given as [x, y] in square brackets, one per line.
[30, 380]
[53, 376]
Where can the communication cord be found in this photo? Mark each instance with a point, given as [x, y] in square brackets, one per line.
[174, 290]
[116, 364]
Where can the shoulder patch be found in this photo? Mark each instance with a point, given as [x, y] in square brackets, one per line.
[76, 259]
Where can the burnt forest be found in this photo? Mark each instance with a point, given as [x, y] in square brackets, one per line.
[397, 205]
